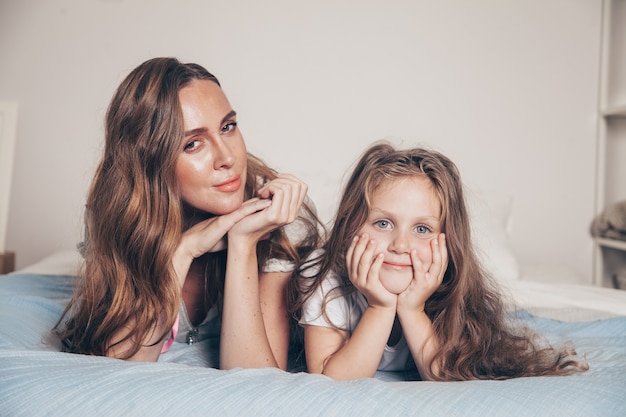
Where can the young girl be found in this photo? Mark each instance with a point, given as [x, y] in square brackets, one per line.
[187, 235]
[398, 283]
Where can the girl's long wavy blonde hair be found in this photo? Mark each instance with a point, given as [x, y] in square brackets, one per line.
[135, 218]
[478, 341]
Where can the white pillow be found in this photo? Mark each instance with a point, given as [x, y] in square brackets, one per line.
[66, 262]
[490, 215]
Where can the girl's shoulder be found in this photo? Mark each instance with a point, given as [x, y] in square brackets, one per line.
[331, 280]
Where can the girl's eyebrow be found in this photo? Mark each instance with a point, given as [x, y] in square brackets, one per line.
[379, 212]
[199, 130]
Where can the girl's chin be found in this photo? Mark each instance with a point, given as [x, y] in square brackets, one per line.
[396, 283]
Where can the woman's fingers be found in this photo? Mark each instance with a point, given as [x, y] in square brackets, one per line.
[287, 194]
[209, 235]
[284, 197]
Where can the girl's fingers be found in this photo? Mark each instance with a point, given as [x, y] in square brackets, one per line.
[350, 253]
[432, 274]
[418, 266]
[365, 264]
[354, 255]
[375, 267]
[359, 259]
[440, 257]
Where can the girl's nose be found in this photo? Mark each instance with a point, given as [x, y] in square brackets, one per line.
[400, 243]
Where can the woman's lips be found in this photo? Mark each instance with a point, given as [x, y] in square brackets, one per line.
[230, 185]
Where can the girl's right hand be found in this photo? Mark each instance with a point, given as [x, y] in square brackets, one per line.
[363, 270]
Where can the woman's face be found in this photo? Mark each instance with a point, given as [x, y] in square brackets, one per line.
[211, 166]
[404, 216]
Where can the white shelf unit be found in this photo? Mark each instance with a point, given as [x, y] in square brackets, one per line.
[610, 255]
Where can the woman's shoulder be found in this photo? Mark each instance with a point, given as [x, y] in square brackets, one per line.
[305, 224]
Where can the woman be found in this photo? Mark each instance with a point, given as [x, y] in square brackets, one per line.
[179, 215]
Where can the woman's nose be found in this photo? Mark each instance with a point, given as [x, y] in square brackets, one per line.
[223, 156]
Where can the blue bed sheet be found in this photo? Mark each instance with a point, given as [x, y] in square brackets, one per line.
[37, 380]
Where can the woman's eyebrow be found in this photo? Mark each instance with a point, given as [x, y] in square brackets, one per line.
[199, 130]
[228, 116]
[196, 131]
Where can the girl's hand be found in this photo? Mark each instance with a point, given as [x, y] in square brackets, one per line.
[284, 196]
[426, 278]
[363, 270]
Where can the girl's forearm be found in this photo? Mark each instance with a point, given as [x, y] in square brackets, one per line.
[361, 355]
[420, 336]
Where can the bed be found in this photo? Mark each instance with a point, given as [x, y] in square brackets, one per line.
[38, 380]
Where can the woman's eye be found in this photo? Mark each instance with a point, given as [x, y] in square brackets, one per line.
[229, 127]
[192, 145]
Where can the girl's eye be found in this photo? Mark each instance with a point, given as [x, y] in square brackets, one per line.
[422, 229]
[229, 127]
[382, 224]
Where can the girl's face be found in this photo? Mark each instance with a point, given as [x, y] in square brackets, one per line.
[404, 216]
[211, 166]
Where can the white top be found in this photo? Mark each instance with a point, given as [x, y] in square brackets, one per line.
[345, 313]
[210, 327]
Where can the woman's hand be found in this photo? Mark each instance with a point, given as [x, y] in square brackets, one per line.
[285, 195]
[210, 235]
[255, 322]
[426, 278]
[363, 270]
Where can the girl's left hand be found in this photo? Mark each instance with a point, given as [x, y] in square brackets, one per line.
[426, 278]
[287, 194]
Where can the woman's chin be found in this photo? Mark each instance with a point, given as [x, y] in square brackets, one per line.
[396, 283]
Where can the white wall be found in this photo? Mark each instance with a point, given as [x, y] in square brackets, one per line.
[507, 88]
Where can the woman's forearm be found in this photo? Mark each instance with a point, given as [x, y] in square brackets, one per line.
[150, 347]
[244, 342]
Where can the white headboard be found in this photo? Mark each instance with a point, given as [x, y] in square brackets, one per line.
[8, 129]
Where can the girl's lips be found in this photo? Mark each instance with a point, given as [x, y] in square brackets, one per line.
[395, 265]
[230, 185]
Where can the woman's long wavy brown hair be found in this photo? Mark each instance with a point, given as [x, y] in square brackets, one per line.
[135, 218]
[477, 338]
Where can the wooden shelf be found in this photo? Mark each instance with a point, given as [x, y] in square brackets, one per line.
[7, 262]
[609, 255]
[616, 111]
[611, 243]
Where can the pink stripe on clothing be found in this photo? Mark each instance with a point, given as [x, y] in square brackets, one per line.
[172, 337]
